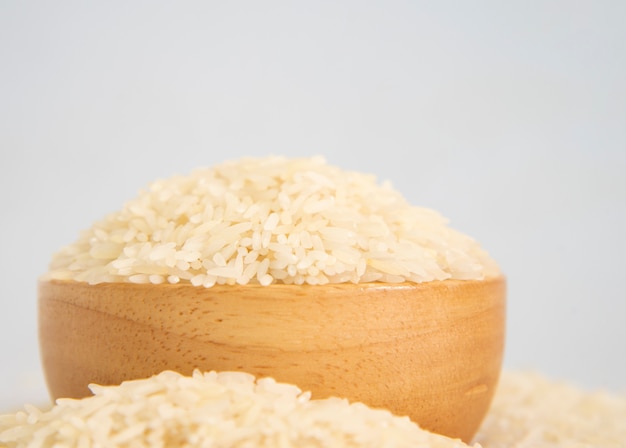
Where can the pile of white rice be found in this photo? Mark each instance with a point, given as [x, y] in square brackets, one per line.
[271, 220]
[228, 409]
[234, 410]
[531, 411]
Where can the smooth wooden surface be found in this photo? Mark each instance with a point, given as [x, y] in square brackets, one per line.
[431, 351]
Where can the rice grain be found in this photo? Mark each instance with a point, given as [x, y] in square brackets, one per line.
[271, 220]
[226, 409]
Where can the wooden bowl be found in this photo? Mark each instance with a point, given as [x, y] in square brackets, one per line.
[432, 351]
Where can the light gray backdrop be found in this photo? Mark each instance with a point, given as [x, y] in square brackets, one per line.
[507, 117]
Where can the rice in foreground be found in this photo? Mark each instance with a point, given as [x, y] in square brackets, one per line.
[529, 411]
[226, 409]
[532, 411]
[271, 220]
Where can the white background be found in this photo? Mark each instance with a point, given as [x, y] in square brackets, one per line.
[507, 117]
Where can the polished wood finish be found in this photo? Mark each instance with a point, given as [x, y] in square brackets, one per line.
[432, 351]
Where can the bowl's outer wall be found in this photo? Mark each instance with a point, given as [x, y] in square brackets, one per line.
[432, 351]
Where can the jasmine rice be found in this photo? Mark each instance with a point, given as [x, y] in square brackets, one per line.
[271, 220]
[226, 409]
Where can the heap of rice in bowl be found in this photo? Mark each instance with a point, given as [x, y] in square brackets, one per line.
[226, 409]
[271, 220]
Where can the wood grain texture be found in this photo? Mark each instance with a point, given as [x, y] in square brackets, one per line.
[432, 351]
